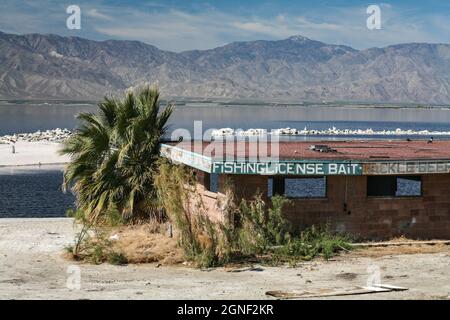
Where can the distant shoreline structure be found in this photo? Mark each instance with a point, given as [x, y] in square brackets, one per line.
[55, 135]
[227, 132]
[59, 135]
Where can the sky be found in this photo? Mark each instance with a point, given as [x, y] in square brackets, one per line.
[179, 25]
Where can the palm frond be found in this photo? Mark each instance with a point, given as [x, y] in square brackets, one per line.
[114, 154]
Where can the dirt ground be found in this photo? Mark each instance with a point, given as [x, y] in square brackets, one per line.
[32, 267]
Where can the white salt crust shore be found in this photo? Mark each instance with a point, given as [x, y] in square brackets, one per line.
[31, 154]
[225, 132]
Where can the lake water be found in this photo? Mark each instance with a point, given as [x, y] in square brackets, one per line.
[37, 192]
[34, 192]
[19, 116]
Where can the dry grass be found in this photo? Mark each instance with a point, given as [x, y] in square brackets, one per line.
[375, 252]
[400, 239]
[147, 243]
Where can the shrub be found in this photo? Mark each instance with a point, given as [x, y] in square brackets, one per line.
[206, 243]
[278, 228]
[313, 242]
[259, 227]
[91, 242]
[117, 258]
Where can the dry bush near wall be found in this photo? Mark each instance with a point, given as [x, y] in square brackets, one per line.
[204, 242]
[147, 243]
[144, 242]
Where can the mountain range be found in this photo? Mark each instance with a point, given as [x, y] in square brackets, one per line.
[36, 66]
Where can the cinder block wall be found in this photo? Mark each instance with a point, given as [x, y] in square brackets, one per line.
[376, 218]
[211, 203]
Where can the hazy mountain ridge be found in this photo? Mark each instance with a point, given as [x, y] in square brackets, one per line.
[51, 66]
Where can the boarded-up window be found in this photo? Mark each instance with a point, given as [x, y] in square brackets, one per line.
[409, 186]
[307, 187]
[394, 186]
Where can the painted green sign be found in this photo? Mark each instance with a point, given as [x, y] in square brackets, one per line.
[186, 157]
[303, 167]
[406, 167]
[287, 168]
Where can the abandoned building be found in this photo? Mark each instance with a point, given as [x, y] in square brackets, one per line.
[370, 189]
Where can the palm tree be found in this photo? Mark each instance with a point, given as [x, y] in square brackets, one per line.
[114, 155]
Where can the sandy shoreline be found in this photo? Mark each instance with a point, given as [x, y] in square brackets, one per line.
[31, 154]
[32, 267]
